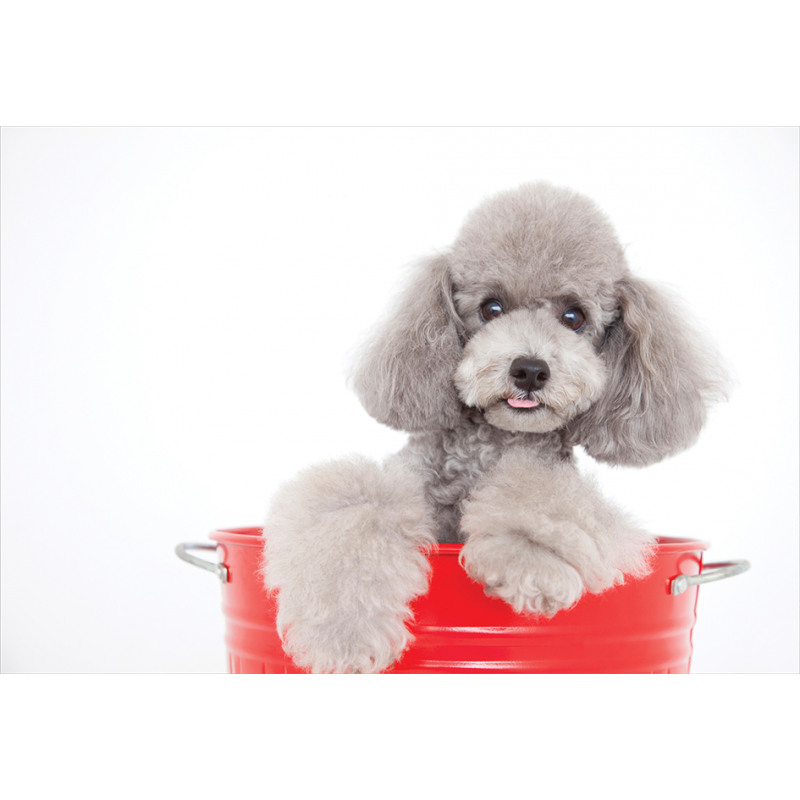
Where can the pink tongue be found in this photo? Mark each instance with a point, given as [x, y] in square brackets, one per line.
[514, 403]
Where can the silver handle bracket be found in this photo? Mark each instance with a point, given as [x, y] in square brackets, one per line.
[710, 573]
[220, 570]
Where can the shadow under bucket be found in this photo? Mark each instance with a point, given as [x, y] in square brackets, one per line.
[644, 625]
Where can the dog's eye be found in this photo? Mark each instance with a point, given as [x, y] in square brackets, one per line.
[491, 309]
[573, 318]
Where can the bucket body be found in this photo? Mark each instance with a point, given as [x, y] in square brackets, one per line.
[638, 627]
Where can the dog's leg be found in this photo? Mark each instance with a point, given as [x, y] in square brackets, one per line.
[344, 549]
[540, 535]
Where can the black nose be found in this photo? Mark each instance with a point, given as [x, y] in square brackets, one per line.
[529, 374]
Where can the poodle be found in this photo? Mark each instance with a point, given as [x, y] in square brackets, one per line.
[527, 338]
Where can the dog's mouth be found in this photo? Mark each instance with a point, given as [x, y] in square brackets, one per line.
[524, 405]
[527, 413]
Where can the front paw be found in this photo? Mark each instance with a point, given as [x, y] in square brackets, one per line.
[529, 577]
[327, 645]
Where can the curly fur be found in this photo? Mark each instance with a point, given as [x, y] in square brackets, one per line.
[346, 548]
[345, 541]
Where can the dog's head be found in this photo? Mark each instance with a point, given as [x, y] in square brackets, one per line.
[534, 319]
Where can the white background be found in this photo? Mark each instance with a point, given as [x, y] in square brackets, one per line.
[179, 307]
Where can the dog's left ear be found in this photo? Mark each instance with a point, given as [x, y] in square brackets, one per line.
[404, 377]
[662, 378]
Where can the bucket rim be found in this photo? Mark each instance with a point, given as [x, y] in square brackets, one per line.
[252, 536]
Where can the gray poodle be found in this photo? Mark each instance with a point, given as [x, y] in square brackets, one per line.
[527, 338]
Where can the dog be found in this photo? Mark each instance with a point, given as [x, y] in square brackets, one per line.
[528, 338]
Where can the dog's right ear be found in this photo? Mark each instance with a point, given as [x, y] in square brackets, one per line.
[663, 377]
[404, 377]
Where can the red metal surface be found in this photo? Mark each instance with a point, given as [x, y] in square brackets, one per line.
[637, 627]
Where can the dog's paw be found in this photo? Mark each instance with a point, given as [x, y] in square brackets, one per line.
[345, 552]
[529, 577]
[325, 645]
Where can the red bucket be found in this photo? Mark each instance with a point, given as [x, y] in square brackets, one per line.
[644, 625]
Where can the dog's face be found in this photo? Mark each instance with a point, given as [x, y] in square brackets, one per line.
[534, 319]
[533, 288]
[531, 367]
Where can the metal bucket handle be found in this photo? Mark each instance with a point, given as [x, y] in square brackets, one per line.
[711, 572]
[220, 570]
